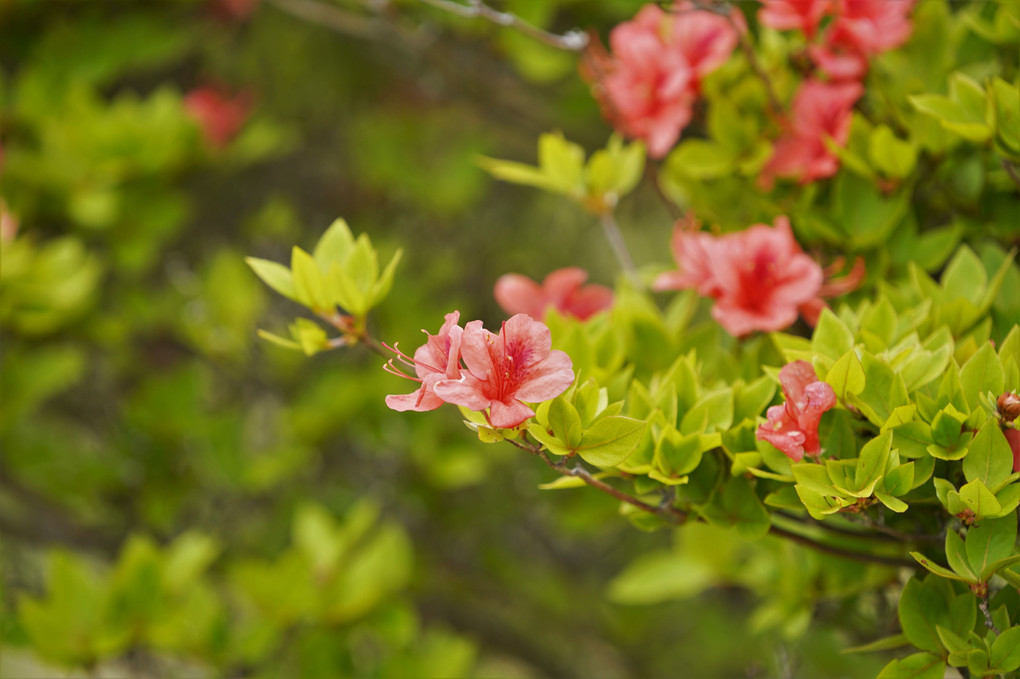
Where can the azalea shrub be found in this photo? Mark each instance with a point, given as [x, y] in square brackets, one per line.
[832, 358]
[788, 399]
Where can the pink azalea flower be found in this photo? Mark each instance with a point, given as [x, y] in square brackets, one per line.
[220, 117]
[871, 26]
[561, 290]
[786, 15]
[820, 111]
[507, 369]
[759, 278]
[706, 39]
[861, 30]
[648, 84]
[793, 427]
[437, 359]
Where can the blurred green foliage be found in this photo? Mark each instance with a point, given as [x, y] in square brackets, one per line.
[178, 497]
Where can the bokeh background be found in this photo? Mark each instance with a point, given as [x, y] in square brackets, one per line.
[179, 498]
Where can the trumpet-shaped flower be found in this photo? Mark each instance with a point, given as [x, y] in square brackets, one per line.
[759, 278]
[507, 369]
[793, 426]
[562, 290]
[437, 359]
[820, 111]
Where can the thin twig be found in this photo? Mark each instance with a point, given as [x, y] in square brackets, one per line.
[678, 516]
[667, 511]
[845, 553]
[983, 605]
[619, 247]
[1011, 170]
[652, 175]
[571, 41]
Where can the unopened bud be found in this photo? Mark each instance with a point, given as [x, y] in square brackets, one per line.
[1009, 406]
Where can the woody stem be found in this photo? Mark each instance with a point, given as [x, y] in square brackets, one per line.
[678, 516]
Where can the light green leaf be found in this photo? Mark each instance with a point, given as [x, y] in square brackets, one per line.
[309, 282]
[334, 245]
[989, 541]
[847, 375]
[989, 456]
[610, 440]
[275, 275]
[1005, 655]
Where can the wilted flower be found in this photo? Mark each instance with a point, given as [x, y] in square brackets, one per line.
[219, 116]
[820, 111]
[561, 290]
[437, 359]
[506, 369]
[759, 278]
[793, 427]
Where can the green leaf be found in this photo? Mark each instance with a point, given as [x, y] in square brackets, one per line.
[883, 392]
[989, 457]
[965, 276]
[831, 336]
[1005, 655]
[701, 159]
[982, 372]
[385, 282]
[922, 606]
[712, 412]
[899, 480]
[562, 162]
[979, 499]
[956, 555]
[872, 461]
[990, 541]
[916, 666]
[893, 157]
[610, 440]
[276, 276]
[893, 503]
[661, 576]
[738, 506]
[935, 568]
[279, 341]
[847, 375]
[335, 245]
[518, 173]
[344, 292]
[565, 422]
[963, 112]
[309, 283]
[883, 644]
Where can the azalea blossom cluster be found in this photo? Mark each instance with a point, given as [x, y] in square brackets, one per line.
[649, 84]
[484, 371]
[759, 278]
[821, 110]
[793, 426]
[857, 31]
[562, 290]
